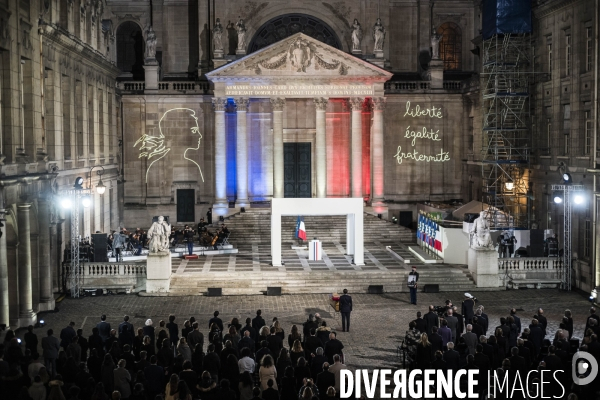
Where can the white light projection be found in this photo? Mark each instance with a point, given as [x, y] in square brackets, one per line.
[153, 147]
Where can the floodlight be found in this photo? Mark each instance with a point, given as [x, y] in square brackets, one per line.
[66, 203]
[567, 178]
[509, 185]
[558, 197]
[578, 198]
[86, 201]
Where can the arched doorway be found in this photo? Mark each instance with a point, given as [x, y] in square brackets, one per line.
[130, 50]
[451, 46]
[284, 26]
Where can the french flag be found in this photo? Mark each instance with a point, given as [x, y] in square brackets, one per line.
[300, 229]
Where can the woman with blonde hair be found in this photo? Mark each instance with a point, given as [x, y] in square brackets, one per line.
[171, 389]
[263, 333]
[424, 352]
[278, 329]
[293, 336]
[232, 335]
[267, 371]
[307, 394]
[296, 352]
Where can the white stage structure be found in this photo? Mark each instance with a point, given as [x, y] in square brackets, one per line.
[352, 208]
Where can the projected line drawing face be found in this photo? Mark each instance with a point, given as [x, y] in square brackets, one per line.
[154, 148]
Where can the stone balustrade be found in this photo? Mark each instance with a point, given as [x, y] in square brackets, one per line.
[139, 87]
[125, 276]
[529, 264]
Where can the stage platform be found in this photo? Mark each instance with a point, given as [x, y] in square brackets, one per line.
[249, 272]
[179, 252]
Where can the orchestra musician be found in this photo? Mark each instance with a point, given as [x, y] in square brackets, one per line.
[188, 237]
[201, 226]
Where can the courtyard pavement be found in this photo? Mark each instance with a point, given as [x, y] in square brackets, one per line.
[378, 322]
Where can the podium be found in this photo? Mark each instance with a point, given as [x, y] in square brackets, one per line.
[314, 250]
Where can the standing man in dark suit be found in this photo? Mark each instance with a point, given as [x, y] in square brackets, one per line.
[345, 310]
[513, 313]
[67, 335]
[258, 322]
[431, 319]
[467, 309]
[412, 285]
[420, 323]
[50, 347]
[452, 358]
[103, 328]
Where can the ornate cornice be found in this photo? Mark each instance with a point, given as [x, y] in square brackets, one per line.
[552, 6]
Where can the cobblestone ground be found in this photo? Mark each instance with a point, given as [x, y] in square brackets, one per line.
[378, 321]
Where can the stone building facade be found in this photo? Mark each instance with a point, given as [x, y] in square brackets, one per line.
[138, 88]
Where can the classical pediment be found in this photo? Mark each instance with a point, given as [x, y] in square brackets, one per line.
[299, 58]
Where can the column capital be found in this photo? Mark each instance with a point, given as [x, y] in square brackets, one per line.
[378, 103]
[219, 103]
[356, 103]
[321, 103]
[242, 103]
[277, 103]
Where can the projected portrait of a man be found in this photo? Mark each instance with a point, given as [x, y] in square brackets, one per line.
[177, 127]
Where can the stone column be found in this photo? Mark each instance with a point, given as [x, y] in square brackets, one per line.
[26, 314]
[45, 261]
[277, 105]
[356, 189]
[321, 147]
[377, 178]
[242, 153]
[4, 299]
[221, 204]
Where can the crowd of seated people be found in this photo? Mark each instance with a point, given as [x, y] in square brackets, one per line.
[200, 360]
[467, 339]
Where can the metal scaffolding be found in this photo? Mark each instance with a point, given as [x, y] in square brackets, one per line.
[75, 196]
[505, 86]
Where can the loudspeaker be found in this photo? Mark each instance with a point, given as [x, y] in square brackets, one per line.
[431, 288]
[273, 290]
[100, 247]
[375, 289]
[536, 243]
[166, 217]
[214, 292]
[470, 217]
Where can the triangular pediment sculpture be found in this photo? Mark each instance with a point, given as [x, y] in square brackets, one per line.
[299, 57]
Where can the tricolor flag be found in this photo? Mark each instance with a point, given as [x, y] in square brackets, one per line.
[300, 229]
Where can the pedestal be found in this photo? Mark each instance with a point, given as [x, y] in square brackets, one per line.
[151, 75]
[240, 53]
[219, 62]
[158, 272]
[357, 52]
[436, 72]
[483, 265]
[314, 250]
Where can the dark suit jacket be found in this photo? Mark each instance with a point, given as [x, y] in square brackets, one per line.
[452, 358]
[258, 322]
[478, 329]
[421, 325]
[345, 303]
[553, 362]
[332, 348]
[246, 342]
[103, 330]
[253, 333]
[275, 345]
[431, 319]
[467, 309]
[517, 363]
[483, 362]
[517, 321]
[50, 347]
[436, 342]
[461, 324]
[536, 336]
[439, 365]
[66, 335]
[471, 341]
[216, 320]
[543, 322]
[155, 378]
[526, 354]
[453, 325]
[311, 344]
[324, 380]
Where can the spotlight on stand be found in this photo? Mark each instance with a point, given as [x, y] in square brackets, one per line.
[557, 197]
[394, 220]
[78, 183]
[40, 323]
[509, 185]
[578, 198]
[567, 178]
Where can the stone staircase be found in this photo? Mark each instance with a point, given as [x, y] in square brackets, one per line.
[449, 279]
[254, 226]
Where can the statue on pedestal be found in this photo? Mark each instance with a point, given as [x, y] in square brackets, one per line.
[241, 32]
[158, 236]
[217, 36]
[150, 44]
[480, 233]
[356, 35]
[435, 45]
[378, 35]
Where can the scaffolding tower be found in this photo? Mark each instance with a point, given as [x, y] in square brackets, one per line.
[505, 87]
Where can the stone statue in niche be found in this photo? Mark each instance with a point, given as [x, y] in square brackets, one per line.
[481, 238]
[158, 236]
[241, 33]
[217, 36]
[356, 35]
[378, 35]
[150, 44]
[435, 45]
